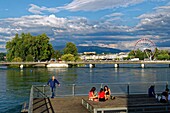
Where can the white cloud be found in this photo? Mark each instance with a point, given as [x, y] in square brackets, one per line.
[94, 5]
[103, 45]
[155, 23]
[114, 15]
[39, 10]
[56, 26]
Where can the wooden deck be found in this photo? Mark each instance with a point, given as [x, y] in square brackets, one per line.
[68, 105]
[134, 104]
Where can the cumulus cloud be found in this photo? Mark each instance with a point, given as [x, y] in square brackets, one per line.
[94, 5]
[39, 10]
[59, 29]
[157, 21]
[105, 32]
[57, 26]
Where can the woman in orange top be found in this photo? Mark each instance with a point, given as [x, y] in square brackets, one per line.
[92, 95]
[101, 95]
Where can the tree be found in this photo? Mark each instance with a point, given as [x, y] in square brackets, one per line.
[68, 57]
[17, 59]
[2, 56]
[58, 54]
[26, 44]
[71, 49]
[29, 58]
[131, 54]
[163, 57]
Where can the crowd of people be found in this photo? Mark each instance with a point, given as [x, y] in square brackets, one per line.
[164, 97]
[103, 95]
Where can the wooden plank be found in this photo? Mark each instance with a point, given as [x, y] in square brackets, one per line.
[134, 104]
[68, 105]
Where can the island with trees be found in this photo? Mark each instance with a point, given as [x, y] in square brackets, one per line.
[27, 48]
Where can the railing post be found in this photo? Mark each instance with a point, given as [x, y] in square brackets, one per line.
[101, 86]
[73, 89]
[167, 85]
[128, 88]
[43, 88]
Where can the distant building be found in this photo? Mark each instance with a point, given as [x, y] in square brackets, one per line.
[94, 56]
[89, 53]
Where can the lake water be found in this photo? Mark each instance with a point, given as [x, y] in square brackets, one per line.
[15, 84]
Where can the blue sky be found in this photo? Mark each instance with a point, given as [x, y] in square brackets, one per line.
[103, 23]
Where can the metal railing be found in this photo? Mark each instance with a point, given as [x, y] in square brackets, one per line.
[35, 94]
[116, 88]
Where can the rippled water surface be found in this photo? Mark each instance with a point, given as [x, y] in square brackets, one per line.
[15, 84]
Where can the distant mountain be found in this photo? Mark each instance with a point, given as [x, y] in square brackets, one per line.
[96, 49]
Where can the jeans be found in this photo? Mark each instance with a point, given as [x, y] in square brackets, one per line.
[53, 89]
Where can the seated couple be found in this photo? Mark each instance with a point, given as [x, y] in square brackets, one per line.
[103, 95]
[164, 97]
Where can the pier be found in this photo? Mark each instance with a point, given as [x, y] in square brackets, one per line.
[129, 101]
[122, 104]
[90, 63]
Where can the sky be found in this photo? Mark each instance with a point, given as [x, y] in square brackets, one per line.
[116, 24]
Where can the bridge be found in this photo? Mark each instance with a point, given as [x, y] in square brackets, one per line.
[116, 63]
[90, 63]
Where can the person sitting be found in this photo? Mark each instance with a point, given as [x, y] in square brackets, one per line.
[107, 92]
[101, 95]
[151, 91]
[164, 96]
[92, 95]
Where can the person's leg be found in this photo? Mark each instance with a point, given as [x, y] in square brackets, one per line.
[52, 90]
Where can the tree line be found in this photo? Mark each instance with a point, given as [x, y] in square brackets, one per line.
[26, 47]
[157, 55]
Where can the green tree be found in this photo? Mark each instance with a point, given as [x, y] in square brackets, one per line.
[139, 54]
[163, 57]
[29, 58]
[131, 54]
[58, 54]
[68, 57]
[157, 52]
[26, 44]
[71, 49]
[17, 59]
[2, 56]
[77, 58]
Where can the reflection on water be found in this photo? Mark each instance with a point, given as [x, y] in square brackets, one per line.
[15, 84]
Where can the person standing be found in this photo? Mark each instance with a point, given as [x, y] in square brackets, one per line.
[52, 83]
